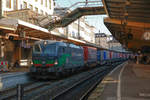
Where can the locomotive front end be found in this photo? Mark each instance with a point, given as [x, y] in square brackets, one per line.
[44, 59]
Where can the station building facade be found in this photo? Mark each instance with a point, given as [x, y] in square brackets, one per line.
[115, 45]
[45, 7]
[14, 49]
[77, 30]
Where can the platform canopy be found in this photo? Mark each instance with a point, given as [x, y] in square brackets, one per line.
[128, 21]
[21, 30]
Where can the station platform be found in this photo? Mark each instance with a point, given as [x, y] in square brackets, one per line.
[14, 69]
[11, 78]
[128, 81]
[20, 69]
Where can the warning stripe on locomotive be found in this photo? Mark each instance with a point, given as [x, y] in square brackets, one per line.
[3, 66]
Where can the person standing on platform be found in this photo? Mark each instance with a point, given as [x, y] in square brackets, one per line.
[16, 64]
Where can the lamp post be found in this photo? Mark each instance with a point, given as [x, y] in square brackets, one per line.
[99, 42]
[79, 28]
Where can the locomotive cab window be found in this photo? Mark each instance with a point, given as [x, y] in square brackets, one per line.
[37, 49]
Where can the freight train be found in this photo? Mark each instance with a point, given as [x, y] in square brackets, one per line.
[55, 58]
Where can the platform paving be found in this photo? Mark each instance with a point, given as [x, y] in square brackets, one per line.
[128, 81]
[20, 69]
[11, 79]
[12, 70]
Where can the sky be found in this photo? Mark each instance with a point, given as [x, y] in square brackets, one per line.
[94, 20]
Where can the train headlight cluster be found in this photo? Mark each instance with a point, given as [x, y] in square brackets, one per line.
[45, 43]
[56, 62]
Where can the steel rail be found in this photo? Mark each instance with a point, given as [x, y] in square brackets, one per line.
[28, 87]
[85, 95]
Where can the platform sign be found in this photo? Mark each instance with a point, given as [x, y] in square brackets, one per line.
[146, 35]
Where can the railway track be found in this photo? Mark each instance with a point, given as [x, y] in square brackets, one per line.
[76, 91]
[56, 90]
[28, 87]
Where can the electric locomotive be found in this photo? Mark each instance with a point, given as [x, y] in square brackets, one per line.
[53, 58]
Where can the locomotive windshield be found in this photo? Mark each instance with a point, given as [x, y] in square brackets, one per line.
[50, 49]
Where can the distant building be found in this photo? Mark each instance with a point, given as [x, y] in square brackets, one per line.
[90, 32]
[78, 29]
[45, 7]
[115, 45]
[101, 40]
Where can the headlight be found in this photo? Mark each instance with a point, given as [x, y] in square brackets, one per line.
[56, 62]
[45, 42]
